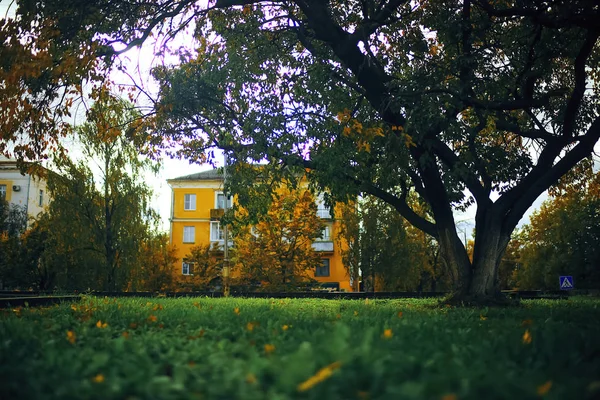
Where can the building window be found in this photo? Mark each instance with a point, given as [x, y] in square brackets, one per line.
[189, 202]
[216, 232]
[189, 234]
[186, 268]
[2, 191]
[220, 201]
[325, 234]
[41, 199]
[322, 210]
[323, 270]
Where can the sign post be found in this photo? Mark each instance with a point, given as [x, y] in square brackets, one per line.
[566, 282]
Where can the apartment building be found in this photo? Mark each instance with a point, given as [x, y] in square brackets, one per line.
[21, 189]
[197, 204]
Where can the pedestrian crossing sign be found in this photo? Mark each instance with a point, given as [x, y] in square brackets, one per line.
[566, 282]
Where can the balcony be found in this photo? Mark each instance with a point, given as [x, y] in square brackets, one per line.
[323, 213]
[325, 247]
[216, 213]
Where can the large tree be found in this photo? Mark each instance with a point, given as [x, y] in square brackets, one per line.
[470, 102]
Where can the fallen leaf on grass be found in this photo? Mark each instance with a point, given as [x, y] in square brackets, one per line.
[71, 337]
[236, 311]
[482, 317]
[251, 379]
[527, 337]
[269, 348]
[450, 396]
[545, 388]
[101, 324]
[98, 378]
[321, 375]
[387, 334]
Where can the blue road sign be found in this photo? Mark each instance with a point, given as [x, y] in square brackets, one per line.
[566, 282]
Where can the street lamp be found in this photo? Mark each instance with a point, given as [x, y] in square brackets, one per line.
[226, 288]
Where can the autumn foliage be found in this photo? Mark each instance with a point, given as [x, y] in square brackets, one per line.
[277, 251]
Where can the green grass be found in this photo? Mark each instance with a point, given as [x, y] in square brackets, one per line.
[202, 349]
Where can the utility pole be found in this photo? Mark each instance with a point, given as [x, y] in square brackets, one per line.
[226, 271]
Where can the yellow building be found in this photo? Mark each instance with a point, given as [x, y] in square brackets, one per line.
[197, 204]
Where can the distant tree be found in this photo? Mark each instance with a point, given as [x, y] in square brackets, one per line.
[13, 222]
[563, 235]
[13, 218]
[277, 250]
[205, 262]
[101, 212]
[392, 255]
[154, 269]
[349, 241]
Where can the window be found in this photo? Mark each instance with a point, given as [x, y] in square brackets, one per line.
[2, 191]
[41, 199]
[323, 270]
[322, 209]
[220, 201]
[216, 233]
[189, 202]
[186, 268]
[325, 234]
[189, 234]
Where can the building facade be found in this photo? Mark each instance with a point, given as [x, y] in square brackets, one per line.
[198, 203]
[20, 189]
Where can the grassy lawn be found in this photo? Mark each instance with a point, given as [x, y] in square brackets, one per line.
[303, 349]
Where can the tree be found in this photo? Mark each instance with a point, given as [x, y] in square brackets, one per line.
[102, 217]
[277, 251]
[206, 262]
[392, 255]
[562, 237]
[468, 103]
[154, 271]
[13, 222]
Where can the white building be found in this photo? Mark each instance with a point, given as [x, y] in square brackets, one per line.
[22, 189]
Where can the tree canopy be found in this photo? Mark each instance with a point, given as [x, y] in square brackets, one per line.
[461, 102]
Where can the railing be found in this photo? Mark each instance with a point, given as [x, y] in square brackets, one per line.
[216, 213]
[323, 246]
[323, 213]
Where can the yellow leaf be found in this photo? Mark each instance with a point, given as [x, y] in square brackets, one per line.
[527, 337]
[71, 337]
[285, 327]
[482, 317]
[236, 311]
[101, 325]
[387, 334]
[98, 378]
[545, 388]
[251, 379]
[321, 375]
[269, 348]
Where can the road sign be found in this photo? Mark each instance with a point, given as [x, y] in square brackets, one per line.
[566, 282]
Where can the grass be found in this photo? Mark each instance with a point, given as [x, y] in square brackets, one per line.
[204, 348]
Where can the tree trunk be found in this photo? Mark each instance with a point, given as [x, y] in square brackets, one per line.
[478, 283]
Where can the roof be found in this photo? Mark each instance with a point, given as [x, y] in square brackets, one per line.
[210, 175]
